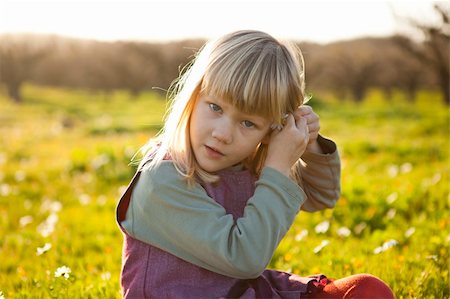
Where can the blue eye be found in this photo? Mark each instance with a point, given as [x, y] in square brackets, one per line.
[215, 107]
[248, 124]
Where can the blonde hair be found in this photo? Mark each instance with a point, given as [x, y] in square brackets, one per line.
[251, 70]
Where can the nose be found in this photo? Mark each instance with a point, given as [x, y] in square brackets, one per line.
[223, 132]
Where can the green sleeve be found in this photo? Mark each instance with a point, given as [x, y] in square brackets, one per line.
[320, 176]
[187, 223]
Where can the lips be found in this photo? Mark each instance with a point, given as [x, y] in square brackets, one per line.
[213, 152]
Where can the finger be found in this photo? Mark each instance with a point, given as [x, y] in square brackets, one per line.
[313, 126]
[290, 120]
[301, 123]
[297, 115]
[304, 110]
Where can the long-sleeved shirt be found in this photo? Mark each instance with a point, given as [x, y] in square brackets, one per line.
[230, 229]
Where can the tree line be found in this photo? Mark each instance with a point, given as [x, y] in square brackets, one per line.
[348, 68]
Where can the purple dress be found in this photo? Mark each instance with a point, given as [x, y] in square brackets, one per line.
[149, 272]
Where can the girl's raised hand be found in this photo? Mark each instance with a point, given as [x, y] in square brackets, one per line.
[288, 145]
[312, 120]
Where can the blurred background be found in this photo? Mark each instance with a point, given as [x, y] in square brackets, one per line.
[349, 46]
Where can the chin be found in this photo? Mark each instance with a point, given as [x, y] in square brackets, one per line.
[210, 169]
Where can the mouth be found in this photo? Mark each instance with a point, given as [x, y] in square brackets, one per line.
[213, 151]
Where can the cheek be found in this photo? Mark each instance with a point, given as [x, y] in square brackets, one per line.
[193, 128]
[251, 141]
[197, 125]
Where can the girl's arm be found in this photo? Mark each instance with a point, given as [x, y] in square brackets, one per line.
[318, 171]
[189, 224]
[319, 175]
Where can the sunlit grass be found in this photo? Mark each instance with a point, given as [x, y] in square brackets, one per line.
[64, 159]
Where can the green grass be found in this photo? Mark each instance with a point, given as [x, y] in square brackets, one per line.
[66, 153]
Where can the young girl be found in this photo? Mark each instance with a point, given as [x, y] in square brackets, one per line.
[217, 190]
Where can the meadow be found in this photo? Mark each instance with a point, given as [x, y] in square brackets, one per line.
[65, 159]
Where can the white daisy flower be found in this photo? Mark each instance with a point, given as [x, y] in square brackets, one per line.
[406, 167]
[301, 235]
[63, 271]
[386, 245]
[321, 246]
[391, 213]
[360, 227]
[25, 220]
[322, 227]
[410, 231]
[106, 276]
[392, 197]
[84, 199]
[20, 176]
[343, 232]
[43, 249]
[393, 170]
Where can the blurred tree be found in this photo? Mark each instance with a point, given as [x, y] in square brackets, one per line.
[435, 50]
[400, 71]
[348, 68]
[138, 66]
[352, 67]
[17, 60]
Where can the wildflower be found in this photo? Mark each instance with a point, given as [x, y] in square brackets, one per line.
[386, 245]
[432, 181]
[393, 170]
[410, 232]
[432, 257]
[63, 271]
[52, 206]
[360, 227]
[392, 197]
[301, 235]
[100, 161]
[106, 276]
[84, 199]
[25, 220]
[47, 227]
[5, 190]
[101, 200]
[27, 204]
[1, 295]
[436, 178]
[406, 167]
[321, 246]
[43, 249]
[20, 176]
[343, 232]
[391, 213]
[322, 227]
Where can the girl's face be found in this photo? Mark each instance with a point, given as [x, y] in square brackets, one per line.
[222, 135]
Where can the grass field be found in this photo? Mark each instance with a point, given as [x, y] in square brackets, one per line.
[64, 160]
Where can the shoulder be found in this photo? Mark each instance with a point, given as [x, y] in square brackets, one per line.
[160, 174]
[162, 169]
[164, 178]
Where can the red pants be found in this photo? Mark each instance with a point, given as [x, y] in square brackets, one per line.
[355, 286]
